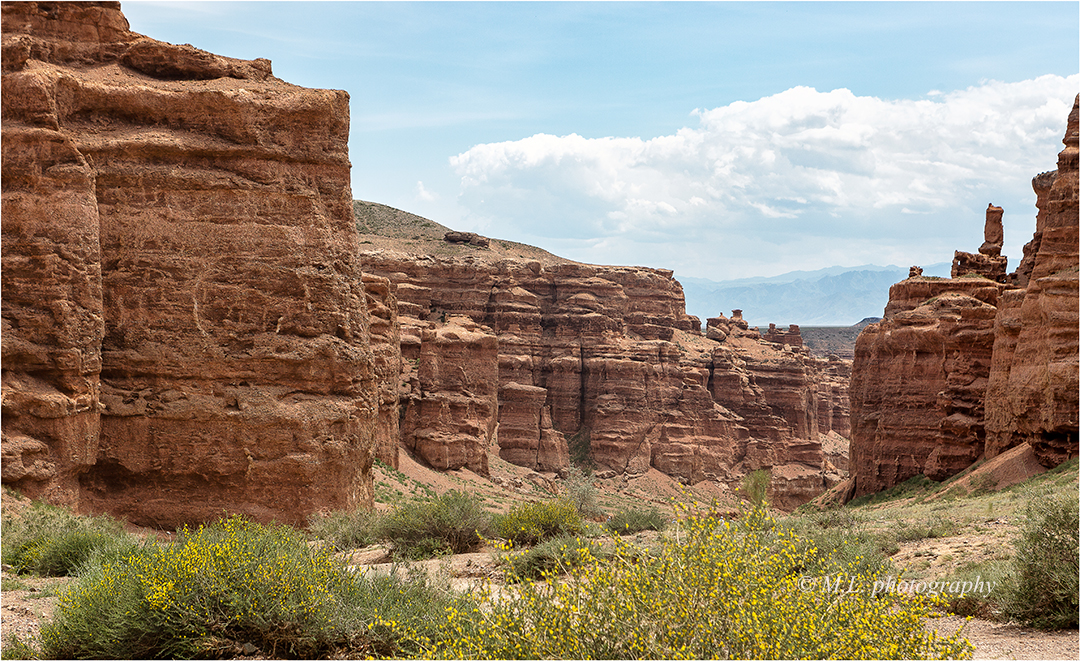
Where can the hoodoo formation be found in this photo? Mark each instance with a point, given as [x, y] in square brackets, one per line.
[185, 329]
[971, 366]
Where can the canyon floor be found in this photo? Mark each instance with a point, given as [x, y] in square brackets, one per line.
[938, 535]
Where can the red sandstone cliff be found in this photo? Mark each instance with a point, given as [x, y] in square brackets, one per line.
[185, 329]
[968, 367]
[605, 358]
[1032, 395]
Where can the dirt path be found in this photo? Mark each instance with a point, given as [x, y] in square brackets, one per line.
[995, 640]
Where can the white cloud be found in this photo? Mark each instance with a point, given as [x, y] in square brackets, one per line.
[424, 194]
[795, 179]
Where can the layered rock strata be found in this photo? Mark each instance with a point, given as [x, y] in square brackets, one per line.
[968, 367]
[604, 361]
[185, 330]
[918, 383]
[1032, 395]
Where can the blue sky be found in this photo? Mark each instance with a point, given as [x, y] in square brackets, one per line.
[719, 139]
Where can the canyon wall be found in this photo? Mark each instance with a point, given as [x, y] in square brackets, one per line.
[189, 327]
[185, 328]
[968, 367]
[1033, 394]
[536, 362]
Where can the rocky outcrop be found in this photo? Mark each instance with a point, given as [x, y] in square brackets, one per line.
[469, 238]
[988, 262]
[791, 336]
[451, 406]
[385, 333]
[185, 330]
[605, 359]
[917, 387]
[1033, 391]
[968, 367]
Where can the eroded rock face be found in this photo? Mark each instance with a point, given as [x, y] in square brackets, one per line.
[185, 330]
[1033, 390]
[451, 409]
[966, 367]
[605, 359]
[385, 332]
[917, 388]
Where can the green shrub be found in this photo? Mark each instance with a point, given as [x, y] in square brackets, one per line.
[17, 648]
[554, 556]
[388, 614]
[52, 541]
[914, 531]
[454, 522]
[629, 521]
[236, 588]
[715, 589]
[578, 488]
[853, 545]
[580, 446]
[756, 487]
[837, 517]
[984, 602]
[531, 523]
[206, 594]
[1045, 579]
[346, 530]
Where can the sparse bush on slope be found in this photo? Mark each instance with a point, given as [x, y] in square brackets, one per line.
[532, 523]
[1043, 585]
[347, 530]
[52, 541]
[629, 521]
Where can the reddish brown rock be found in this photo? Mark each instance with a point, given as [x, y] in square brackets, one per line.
[791, 337]
[526, 436]
[993, 232]
[450, 412]
[1033, 391]
[385, 346]
[964, 367]
[917, 389]
[988, 262]
[187, 334]
[833, 378]
[607, 357]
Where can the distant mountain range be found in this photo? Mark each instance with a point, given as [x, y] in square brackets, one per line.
[833, 296]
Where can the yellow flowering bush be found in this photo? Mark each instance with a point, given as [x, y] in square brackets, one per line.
[713, 589]
[554, 556]
[230, 581]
